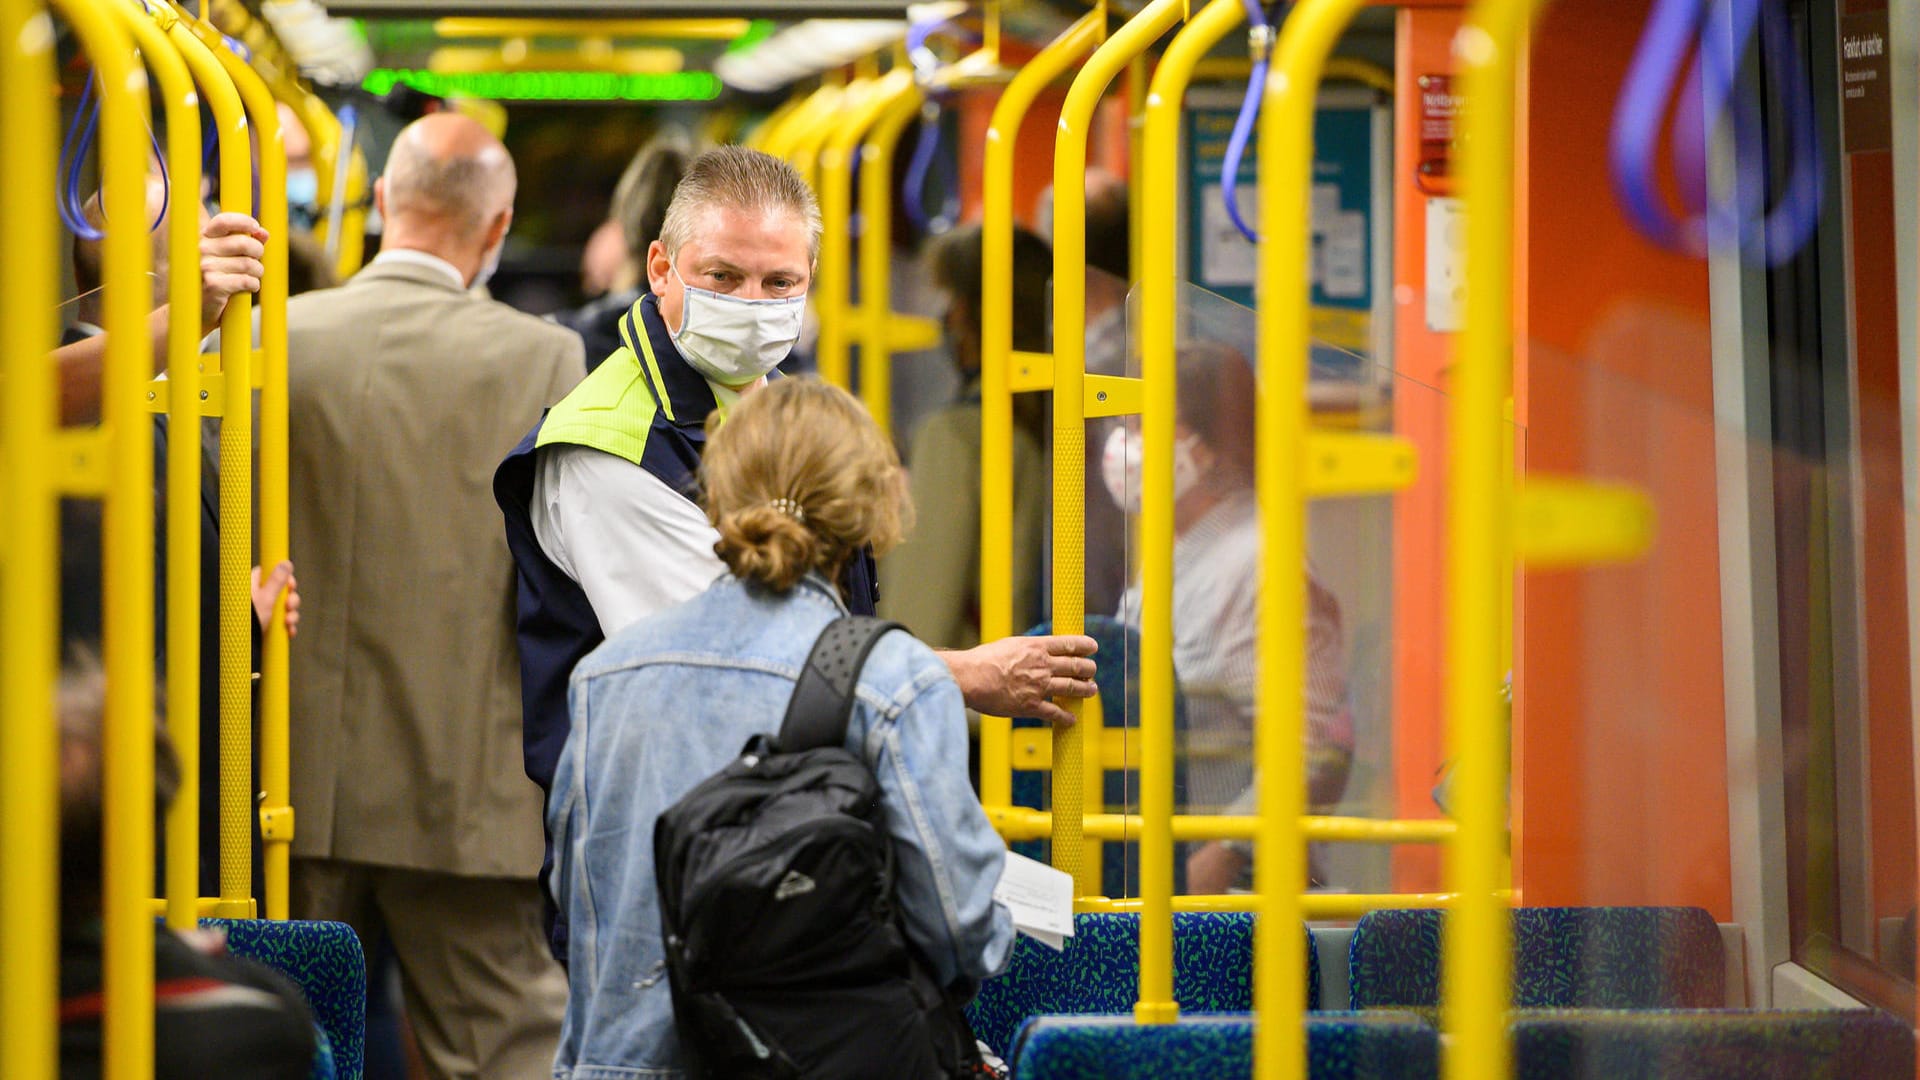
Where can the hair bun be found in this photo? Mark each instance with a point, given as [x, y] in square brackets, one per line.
[767, 545]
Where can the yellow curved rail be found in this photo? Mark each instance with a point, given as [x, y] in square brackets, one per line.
[1286, 168]
[832, 299]
[1479, 556]
[275, 809]
[236, 495]
[1159, 189]
[29, 576]
[1069, 410]
[181, 104]
[781, 136]
[810, 140]
[876, 324]
[996, 362]
[757, 136]
[126, 746]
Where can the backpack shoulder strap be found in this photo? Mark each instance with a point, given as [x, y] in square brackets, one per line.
[823, 696]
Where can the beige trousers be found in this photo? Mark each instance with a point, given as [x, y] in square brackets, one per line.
[484, 996]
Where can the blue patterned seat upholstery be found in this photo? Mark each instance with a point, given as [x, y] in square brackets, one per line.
[1099, 972]
[1856, 1044]
[325, 961]
[1340, 1046]
[1564, 958]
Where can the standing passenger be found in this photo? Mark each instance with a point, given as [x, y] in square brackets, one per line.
[404, 389]
[600, 497]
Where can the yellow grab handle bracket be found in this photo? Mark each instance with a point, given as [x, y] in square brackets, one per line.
[1345, 464]
[1113, 395]
[1029, 372]
[1572, 523]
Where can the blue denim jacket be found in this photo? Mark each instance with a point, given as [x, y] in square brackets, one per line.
[669, 701]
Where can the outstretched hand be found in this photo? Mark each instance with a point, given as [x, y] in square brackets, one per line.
[1019, 676]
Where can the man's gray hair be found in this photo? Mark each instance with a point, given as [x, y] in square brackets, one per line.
[742, 179]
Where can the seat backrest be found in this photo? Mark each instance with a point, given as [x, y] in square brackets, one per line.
[1099, 972]
[1340, 1046]
[1605, 958]
[325, 961]
[1853, 1044]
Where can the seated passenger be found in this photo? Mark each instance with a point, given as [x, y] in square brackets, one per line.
[798, 480]
[214, 1015]
[1216, 599]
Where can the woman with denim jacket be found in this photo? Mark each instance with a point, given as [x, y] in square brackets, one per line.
[796, 480]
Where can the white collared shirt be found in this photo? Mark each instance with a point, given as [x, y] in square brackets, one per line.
[422, 258]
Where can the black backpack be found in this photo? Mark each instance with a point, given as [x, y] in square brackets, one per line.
[784, 948]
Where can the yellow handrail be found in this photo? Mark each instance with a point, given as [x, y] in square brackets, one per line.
[276, 810]
[780, 140]
[757, 138]
[29, 577]
[236, 494]
[1286, 166]
[809, 140]
[832, 280]
[126, 746]
[717, 29]
[996, 360]
[1158, 189]
[876, 254]
[182, 108]
[1479, 567]
[1069, 373]
[1023, 823]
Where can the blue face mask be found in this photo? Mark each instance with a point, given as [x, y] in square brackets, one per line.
[303, 187]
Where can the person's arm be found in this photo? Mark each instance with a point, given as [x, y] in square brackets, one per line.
[634, 544]
[949, 856]
[231, 247]
[924, 583]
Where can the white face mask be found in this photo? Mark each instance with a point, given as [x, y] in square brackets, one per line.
[733, 341]
[1120, 465]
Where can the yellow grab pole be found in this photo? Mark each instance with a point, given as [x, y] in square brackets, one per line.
[276, 812]
[236, 493]
[809, 140]
[1069, 410]
[29, 576]
[876, 254]
[996, 359]
[831, 288]
[1286, 177]
[182, 108]
[1157, 190]
[126, 745]
[783, 131]
[1476, 948]
[757, 138]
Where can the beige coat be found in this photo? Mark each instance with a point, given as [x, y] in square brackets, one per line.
[405, 392]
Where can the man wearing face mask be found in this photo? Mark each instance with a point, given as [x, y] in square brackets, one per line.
[403, 390]
[600, 498]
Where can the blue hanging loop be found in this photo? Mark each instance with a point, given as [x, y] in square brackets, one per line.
[928, 149]
[1716, 34]
[1259, 45]
[70, 204]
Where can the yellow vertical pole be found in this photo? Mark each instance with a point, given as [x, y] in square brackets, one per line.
[236, 493]
[1069, 409]
[809, 140]
[832, 285]
[1158, 186]
[276, 813]
[996, 358]
[1139, 73]
[876, 253]
[182, 108]
[757, 138]
[127, 738]
[1476, 957]
[1286, 177]
[784, 130]
[29, 578]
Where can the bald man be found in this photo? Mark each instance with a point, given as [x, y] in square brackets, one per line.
[415, 819]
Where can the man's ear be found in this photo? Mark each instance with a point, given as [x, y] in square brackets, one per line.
[658, 266]
[497, 231]
[380, 197]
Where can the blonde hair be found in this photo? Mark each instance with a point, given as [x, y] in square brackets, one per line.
[798, 478]
[743, 179]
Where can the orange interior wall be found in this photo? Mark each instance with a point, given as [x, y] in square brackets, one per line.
[1423, 44]
[1621, 778]
[1032, 155]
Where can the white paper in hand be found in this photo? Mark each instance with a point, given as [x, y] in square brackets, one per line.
[1040, 899]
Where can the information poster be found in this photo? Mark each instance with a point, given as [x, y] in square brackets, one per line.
[1345, 232]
